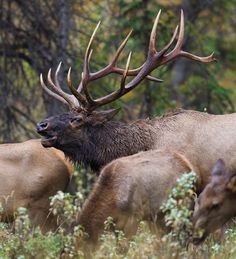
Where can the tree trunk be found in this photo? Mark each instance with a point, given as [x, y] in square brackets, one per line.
[53, 106]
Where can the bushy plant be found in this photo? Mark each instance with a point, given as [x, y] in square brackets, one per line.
[177, 210]
[23, 241]
[66, 206]
[20, 240]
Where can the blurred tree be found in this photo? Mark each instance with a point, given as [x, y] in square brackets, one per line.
[36, 35]
[209, 94]
[34, 38]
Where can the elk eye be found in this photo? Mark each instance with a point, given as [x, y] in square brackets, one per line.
[76, 119]
[76, 122]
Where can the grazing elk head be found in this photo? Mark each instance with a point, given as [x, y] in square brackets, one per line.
[216, 204]
[77, 126]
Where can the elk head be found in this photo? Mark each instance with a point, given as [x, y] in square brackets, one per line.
[216, 204]
[75, 127]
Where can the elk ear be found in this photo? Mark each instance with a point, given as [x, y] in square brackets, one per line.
[219, 168]
[231, 185]
[109, 114]
[102, 117]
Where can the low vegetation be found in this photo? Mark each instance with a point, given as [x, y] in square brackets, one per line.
[19, 240]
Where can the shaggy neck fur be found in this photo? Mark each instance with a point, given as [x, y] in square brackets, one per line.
[111, 140]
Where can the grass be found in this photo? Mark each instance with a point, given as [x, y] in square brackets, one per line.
[33, 244]
[21, 241]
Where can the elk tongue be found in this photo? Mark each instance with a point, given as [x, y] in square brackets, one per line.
[48, 141]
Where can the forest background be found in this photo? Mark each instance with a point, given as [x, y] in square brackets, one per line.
[38, 34]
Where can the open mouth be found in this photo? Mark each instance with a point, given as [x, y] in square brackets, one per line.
[48, 141]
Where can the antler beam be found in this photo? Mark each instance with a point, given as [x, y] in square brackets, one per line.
[81, 99]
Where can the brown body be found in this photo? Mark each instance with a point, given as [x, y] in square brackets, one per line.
[201, 137]
[89, 136]
[29, 175]
[216, 204]
[131, 189]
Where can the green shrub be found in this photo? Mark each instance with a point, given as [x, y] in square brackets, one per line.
[20, 240]
[177, 209]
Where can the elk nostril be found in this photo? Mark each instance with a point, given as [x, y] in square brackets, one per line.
[42, 126]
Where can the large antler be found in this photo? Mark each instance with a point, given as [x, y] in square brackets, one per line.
[81, 99]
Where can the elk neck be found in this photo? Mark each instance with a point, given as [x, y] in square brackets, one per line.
[111, 140]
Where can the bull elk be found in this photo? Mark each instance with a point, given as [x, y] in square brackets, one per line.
[132, 189]
[94, 139]
[216, 204]
[29, 175]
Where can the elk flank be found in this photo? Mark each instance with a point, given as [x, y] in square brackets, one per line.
[132, 189]
[29, 175]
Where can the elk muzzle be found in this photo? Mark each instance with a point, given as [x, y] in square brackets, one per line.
[199, 233]
[42, 126]
[48, 138]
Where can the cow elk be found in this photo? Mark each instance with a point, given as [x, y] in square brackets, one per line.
[94, 139]
[216, 204]
[29, 175]
[132, 189]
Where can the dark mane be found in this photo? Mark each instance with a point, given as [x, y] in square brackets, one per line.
[109, 141]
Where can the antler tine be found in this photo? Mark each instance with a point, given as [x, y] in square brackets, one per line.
[166, 48]
[56, 75]
[152, 78]
[122, 84]
[92, 39]
[48, 91]
[79, 96]
[134, 72]
[59, 91]
[85, 76]
[180, 40]
[206, 59]
[120, 49]
[178, 52]
[79, 89]
[88, 54]
[152, 42]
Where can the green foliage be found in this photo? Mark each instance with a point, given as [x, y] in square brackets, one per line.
[27, 242]
[66, 206]
[84, 180]
[32, 44]
[28, 48]
[22, 241]
[178, 213]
